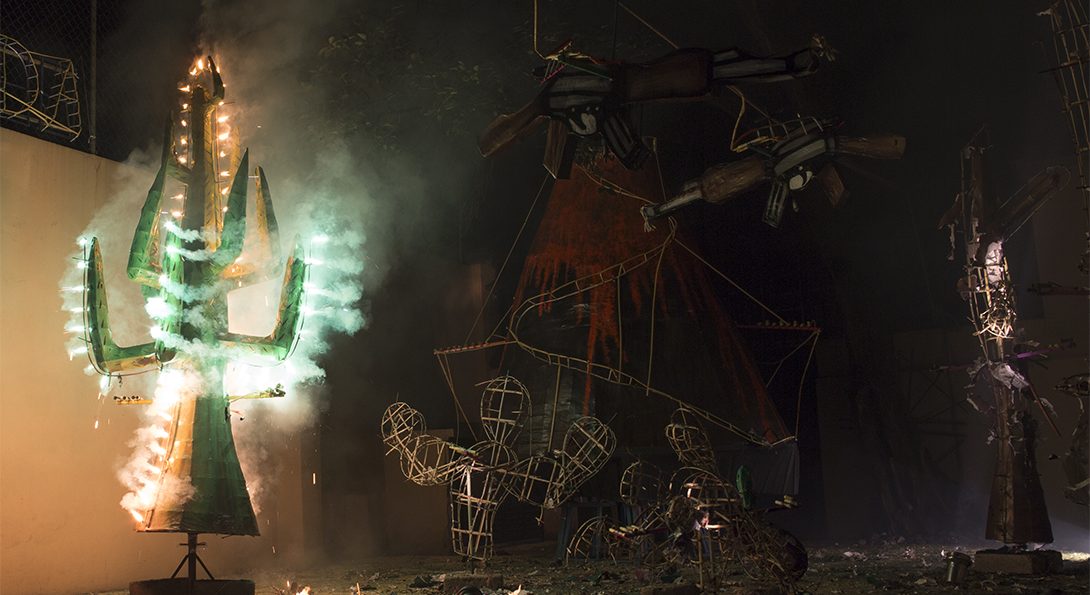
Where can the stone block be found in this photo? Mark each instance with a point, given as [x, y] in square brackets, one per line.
[1032, 562]
[180, 586]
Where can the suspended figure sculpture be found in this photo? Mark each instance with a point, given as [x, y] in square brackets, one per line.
[186, 258]
[585, 96]
[786, 154]
[1017, 514]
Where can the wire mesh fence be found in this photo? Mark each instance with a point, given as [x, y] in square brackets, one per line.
[53, 59]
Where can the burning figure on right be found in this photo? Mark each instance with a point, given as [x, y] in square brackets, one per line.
[1017, 514]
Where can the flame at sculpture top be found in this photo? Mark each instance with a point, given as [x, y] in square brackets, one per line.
[185, 475]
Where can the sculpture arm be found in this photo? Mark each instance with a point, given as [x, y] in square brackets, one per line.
[262, 247]
[107, 355]
[234, 219]
[144, 266]
[289, 317]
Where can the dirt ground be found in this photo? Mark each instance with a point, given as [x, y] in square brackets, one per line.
[890, 568]
[886, 568]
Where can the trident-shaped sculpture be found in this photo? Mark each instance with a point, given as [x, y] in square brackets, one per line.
[186, 259]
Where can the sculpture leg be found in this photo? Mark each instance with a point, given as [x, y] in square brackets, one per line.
[1017, 513]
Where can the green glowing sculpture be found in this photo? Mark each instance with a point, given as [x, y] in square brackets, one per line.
[186, 259]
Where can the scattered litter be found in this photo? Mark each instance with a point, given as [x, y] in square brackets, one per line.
[670, 576]
[606, 576]
[421, 582]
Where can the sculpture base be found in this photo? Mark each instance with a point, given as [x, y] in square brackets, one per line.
[1028, 562]
[180, 586]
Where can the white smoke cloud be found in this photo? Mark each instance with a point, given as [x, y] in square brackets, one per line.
[320, 198]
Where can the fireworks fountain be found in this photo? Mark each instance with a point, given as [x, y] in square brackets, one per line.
[194, 252]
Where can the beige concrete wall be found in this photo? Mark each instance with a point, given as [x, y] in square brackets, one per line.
[61, 528]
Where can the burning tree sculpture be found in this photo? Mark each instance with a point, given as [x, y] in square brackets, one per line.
[186, 259]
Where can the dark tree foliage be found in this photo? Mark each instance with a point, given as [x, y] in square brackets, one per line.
[396, 74]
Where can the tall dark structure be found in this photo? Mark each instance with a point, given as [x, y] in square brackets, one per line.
[1017, 514]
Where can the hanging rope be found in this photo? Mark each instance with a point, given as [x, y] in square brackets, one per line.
[654, 296]
[760, 139]
[645, 24]
[536, 51]
[608, 185]
[802, 378]
[556, 403]
[783, 359]
[511, 250]
[620, 325]
[445, 366]
[731, 281]
[613, 52]
[658, 270]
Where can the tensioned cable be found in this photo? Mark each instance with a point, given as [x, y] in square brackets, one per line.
[510, 251]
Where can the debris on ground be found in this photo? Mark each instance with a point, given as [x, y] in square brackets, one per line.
[875, 568]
